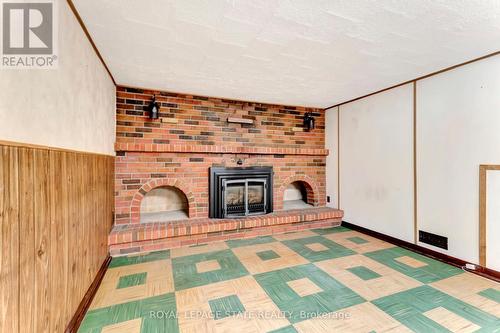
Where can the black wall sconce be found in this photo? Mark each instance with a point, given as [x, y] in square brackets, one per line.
[308, 121]
[153, 108]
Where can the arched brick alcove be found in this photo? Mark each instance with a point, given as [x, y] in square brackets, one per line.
[135, 206]
[309, 184]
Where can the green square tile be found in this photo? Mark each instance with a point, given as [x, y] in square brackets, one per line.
[334, 250]
[267, 255]
[331, 230]
[232, 243]
[186, 276]
[131, 280]
[286, 329]
[408, 307]
[433, 271]
[226, 307]
[335, 296]
[157, 313]
[357, 240]
[152, 256]
[491, 293]
[364, 273]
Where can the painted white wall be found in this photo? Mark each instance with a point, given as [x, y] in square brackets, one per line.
[376, 162]
[70, 107]
[493, 220]
[458, 128]
[331, 143]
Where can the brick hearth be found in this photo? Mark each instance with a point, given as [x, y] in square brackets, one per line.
[130, 238]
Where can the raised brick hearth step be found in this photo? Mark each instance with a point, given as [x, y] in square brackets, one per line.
[132, 238]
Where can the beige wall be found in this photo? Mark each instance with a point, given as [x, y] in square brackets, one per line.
[376, 159]
[70, 107]
[458, 128]
[56, 206]
[332, 160]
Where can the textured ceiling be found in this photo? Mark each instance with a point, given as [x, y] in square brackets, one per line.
[297, 52]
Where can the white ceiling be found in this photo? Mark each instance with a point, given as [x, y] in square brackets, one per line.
[296, 52]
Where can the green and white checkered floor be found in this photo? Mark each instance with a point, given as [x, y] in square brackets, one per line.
[322, 280]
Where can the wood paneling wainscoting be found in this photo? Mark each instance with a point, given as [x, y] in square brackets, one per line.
[56, 211]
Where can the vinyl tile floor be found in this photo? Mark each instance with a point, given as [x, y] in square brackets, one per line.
[321, 280]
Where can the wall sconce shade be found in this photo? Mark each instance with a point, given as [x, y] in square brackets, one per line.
[153, 109]
[309, 121]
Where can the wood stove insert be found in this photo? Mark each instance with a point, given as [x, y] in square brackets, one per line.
[239, 192]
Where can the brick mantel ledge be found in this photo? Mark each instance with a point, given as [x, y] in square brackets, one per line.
[201, 228]
[140, 147]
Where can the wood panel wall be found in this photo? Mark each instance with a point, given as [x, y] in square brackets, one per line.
[483, 172]
[56, 211]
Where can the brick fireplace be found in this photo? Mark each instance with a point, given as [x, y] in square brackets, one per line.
[193, 135]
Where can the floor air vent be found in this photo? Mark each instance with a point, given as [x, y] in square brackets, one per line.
[433, 239]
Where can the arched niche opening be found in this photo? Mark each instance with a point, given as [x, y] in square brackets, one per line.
[296, 196]
[165, 203]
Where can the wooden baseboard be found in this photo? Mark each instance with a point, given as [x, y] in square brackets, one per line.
[77, 318]
[482, 271]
